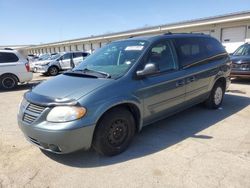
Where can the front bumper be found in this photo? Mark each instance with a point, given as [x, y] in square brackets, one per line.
[58, 141]
[41, 68]
[240, 73]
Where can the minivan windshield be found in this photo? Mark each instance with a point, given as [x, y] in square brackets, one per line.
[114, 59]
[243, 50]
[55, 56]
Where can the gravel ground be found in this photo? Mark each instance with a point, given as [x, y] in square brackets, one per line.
[195, 148]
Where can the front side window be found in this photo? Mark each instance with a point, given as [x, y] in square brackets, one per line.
[67, 56]
[115, 58]
[6, 57]
[162, 56]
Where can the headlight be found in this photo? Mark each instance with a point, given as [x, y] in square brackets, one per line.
[22, 106]
[44, 64]
[65, 113]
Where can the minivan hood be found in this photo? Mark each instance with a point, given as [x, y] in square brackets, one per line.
[64, 86]
[240, 59]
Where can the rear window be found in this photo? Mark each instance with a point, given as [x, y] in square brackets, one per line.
[190, 50]
[6, 57]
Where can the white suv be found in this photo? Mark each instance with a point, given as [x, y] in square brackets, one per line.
[14, 68]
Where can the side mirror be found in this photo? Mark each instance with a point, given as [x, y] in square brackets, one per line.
[150, 68]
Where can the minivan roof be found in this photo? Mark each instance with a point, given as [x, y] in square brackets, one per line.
[152, 38]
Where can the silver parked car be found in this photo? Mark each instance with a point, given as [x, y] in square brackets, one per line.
[59, 62]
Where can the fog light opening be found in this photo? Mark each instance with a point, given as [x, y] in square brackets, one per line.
[54, 148]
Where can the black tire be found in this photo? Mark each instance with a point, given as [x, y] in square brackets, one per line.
[8, 82]
[114, 132]
[53, 71]
[216, 96]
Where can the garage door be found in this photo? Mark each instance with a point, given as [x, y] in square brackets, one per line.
[95, 46]
[87, 47]
[61, 49]
[233, 37]
[204, 32]
[67, 48]
[103, 44]
[80, 47]
[73, 47]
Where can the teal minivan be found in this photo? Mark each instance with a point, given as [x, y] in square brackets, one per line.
[121, 88]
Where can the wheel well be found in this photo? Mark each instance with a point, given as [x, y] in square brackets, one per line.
[54, 66]
[5, 74]
[222, 80]
[132, 108]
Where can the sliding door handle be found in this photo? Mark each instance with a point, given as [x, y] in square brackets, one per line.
[180, 83]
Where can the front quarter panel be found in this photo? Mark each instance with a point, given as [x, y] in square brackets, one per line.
[103, 99]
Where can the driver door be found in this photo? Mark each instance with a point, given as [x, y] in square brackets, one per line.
[66, 60]
[164, 91]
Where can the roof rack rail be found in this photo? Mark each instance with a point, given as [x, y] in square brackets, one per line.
[168, 33]
[131, 37]
[197, 33]
[8, 49]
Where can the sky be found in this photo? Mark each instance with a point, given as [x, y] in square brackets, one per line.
[43, 21]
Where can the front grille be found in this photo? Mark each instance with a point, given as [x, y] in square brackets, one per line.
[32, 113]
[29, 118]
[241, 66]
[35, 108]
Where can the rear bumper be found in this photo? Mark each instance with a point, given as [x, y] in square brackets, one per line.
[25, 77]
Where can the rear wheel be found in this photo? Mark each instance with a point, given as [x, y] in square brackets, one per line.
[8, 82]
[114, 132]
[53, 71]
[216, 96]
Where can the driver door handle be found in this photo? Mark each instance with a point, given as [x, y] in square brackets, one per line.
[191, 79]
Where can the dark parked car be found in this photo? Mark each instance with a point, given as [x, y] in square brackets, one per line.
[241, 62]
[121, 88]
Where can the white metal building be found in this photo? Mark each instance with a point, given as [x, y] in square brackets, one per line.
[231, 29]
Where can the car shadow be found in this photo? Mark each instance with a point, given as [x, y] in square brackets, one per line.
[160, 135]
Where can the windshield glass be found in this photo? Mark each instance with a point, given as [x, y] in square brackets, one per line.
[44, 57]
[114, 59]
[243, 50]
[53, 57]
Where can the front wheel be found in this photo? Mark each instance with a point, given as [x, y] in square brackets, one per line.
[114, 132]
[53, 71]
[216, 96]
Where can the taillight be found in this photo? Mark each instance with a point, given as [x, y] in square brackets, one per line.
[27, 66]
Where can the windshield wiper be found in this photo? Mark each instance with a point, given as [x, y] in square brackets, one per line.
[79, 73]
[86, 70]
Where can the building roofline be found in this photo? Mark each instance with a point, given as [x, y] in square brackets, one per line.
[237, 16]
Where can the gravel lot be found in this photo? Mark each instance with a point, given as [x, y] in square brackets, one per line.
[195, 148]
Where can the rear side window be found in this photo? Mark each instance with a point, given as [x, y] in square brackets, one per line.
[190, 50]
[6, 57]
[78, 55]
[85, 54]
